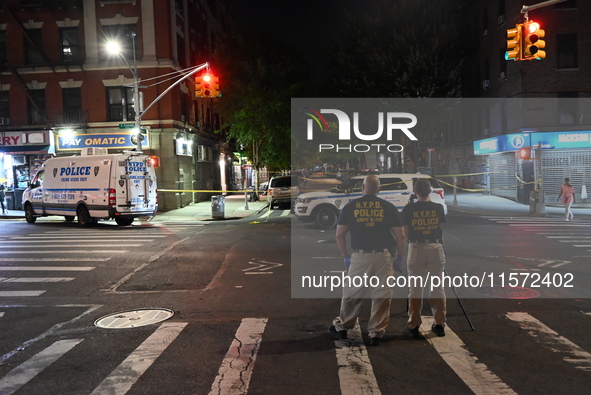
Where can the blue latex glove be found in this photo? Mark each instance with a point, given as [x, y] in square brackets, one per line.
[347, 262]
[399, 263]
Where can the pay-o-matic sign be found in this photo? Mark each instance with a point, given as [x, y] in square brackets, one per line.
[104, 140]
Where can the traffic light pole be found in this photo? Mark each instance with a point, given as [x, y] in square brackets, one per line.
[527, 8]
[540, 203]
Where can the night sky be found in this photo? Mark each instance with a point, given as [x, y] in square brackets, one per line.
[309, 25]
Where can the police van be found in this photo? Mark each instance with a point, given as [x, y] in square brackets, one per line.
[324, 207]
[94, 186]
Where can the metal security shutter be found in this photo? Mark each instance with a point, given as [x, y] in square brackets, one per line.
[559, 164]
[502, 175]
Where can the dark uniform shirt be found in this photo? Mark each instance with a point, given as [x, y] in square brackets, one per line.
[423, 219]
[369, 219]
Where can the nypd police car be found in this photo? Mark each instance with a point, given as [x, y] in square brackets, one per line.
[324, 207]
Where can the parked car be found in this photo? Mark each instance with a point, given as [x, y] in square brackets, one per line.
[283, 189]
[324, 207]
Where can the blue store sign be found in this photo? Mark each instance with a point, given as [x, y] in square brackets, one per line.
[106, 140]
[506, 142]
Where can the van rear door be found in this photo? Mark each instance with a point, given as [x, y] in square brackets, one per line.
[136, 185]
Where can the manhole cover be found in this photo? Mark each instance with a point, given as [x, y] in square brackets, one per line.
[133, 318]
[507, 292]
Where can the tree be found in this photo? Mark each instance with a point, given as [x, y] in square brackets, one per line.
[260, 76]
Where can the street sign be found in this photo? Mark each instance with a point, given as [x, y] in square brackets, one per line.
[126, 125]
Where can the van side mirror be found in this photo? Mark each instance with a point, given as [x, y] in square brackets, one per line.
[33, 185]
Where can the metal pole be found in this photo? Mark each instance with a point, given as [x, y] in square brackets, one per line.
[455, 202]
[136, 99]
[541, 204]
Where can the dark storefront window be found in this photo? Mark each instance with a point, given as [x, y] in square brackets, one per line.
[120, 104]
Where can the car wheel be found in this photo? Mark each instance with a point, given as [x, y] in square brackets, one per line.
[30, 214]
[69, 218]
[326, 217]
[123, 221]
[84, 217]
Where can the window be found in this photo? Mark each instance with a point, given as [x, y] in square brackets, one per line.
[126, 36]
[33, 47]
[72, 102]
[568, 108]
[4, 108]
[3, 53]
[70, 51]
[566, 49]
[392, 184]
[36, 107]
[120, 104]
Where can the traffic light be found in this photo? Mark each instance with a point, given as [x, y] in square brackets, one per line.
[215, 87]
[525, 153]
[199, 91]
[514, 43]
[154, 161]
[532, 41]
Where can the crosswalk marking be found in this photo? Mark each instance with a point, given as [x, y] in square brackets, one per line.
[20, 294]
[552, 340]
[35, 279]
[356, 374]
[474, 373]
[22, 374]
[125, 375]
[237, 366]
[48, 268]
[82, 251]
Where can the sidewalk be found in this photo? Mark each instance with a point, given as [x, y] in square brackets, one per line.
[202, 211]
[234, 208]
[478, 203]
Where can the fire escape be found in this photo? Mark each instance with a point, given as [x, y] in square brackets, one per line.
[36, 59]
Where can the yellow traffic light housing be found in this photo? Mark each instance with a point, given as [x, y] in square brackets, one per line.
[532, 41]
[199, 86]
[514, 43]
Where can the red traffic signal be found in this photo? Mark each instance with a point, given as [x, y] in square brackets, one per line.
[524, 153]
[154, 161]
[532, 41]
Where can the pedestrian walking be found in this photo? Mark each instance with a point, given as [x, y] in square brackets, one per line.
[375, 225]
[422, 220]
[567, 192]
[2, 197]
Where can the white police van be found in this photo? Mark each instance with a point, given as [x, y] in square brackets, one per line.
[93, 186]
[324, 207]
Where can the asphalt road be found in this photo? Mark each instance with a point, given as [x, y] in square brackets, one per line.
[241, 324]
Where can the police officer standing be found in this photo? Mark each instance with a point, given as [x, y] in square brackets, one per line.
[422, 221]
[373, 223]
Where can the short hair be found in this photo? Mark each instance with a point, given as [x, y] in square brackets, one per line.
[567, 179]
[422, 188]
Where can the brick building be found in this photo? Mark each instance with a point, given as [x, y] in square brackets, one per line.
[537, 101]
[61, 90]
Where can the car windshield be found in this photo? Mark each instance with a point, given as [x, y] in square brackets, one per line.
[284, 182]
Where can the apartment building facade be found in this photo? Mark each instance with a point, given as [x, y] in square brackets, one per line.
[61, 90]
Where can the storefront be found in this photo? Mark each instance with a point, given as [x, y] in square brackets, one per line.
[563, 154]
[21, 155]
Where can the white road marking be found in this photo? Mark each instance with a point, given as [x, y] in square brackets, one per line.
[125, 375]
[48, 268]
[19, 294]
[50, 237]
[55, 259]
[36, 279]
[356, 374]
[23, 373]
[548, 338]
[477, 376]
[69, 251]
[285, 213]
[236, 369]
[11, 244]
[18, 243]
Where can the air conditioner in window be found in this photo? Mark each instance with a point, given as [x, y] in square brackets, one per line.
[486, 131]
[502, 75]
[485, 84]
[485, 33]
[500, 19]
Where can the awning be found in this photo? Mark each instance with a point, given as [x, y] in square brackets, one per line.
[24, 149]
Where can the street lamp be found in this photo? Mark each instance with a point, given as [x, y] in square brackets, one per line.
[114, 48]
